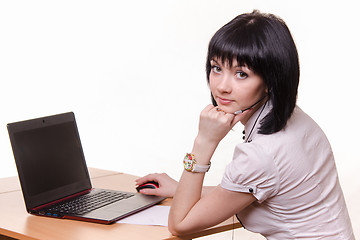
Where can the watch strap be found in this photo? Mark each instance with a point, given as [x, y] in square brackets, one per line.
[201, 168]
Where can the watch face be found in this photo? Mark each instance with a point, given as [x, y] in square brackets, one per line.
[189, 162]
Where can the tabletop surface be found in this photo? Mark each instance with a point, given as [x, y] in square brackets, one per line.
[15, 222]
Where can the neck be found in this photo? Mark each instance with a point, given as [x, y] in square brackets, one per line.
[248, 113]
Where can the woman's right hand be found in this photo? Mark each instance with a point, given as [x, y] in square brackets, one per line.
[167, 185]
[215, 124]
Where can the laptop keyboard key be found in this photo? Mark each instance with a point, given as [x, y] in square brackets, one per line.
[89, 202]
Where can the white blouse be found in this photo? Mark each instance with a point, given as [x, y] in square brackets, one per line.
[293, 176]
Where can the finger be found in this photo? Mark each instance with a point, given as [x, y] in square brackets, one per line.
[236, 119]
[230, 119]
[149, 191]
[230, 116]
[208, 108]
[155, 192]
[147, 178]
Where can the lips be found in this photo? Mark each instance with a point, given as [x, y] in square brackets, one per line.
[224, 101]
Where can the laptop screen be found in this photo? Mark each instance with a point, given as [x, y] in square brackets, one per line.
[49, 158]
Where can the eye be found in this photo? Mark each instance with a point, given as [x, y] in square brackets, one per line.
[241, 75]
[216, 69]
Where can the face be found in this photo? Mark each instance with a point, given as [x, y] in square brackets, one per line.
[235, 87]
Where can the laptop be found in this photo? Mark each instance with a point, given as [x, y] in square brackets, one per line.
[54, 177]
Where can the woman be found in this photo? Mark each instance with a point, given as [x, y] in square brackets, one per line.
[282, 181]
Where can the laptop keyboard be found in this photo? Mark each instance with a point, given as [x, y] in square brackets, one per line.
[89, 202]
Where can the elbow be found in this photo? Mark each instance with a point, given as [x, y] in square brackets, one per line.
[176, 229]
[179, 229]
[173, 226]
[173, 230]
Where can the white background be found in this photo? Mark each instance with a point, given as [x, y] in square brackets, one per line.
[134, 74]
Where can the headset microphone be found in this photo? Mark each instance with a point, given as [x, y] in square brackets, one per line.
[241, 111]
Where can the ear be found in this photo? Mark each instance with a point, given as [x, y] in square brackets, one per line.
[267, 91]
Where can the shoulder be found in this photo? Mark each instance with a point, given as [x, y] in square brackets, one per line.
[253, 171]
[301, 121]
[300, 131]
[254, 158]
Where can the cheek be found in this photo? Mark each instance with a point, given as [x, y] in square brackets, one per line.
[212, 83]
[248, 93]
[262, 90]
[258, 87]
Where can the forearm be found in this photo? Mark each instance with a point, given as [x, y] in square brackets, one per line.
[187, 204]
[190, 187]
[206, 190]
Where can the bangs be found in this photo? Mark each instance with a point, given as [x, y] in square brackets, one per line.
[242, 44]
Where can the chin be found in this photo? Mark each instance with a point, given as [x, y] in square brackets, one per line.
[227, 109]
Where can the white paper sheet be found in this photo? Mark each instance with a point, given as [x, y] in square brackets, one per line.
[155, 215]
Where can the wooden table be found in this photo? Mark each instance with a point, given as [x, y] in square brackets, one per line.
[16, 223]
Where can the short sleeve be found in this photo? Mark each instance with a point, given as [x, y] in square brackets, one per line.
[251, 171]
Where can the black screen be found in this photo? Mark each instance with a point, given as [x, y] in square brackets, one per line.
[51, 157]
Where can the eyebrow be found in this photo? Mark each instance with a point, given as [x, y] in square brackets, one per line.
[213, 60]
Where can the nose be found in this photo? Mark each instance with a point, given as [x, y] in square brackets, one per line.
[224, 85]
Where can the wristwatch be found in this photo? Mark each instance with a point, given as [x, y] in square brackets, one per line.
[190, 164]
